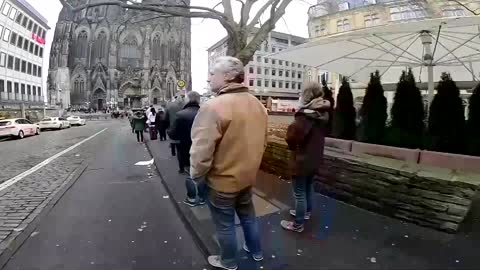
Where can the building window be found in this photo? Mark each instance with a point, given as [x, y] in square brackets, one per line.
[12, 14]
[6, 8]
[30, 25]
[34, 90]
[17, 64]
[25, 45]
[35, 27]
[274, 61]
[30, 48]
[343, 25]
[10, 62]
[9, 87]
[22, 89]
[2, 86]
[371, 20]
[34, 70]
[299, 86]
[293, 74]
[265, 47]
[41, 52]
[452, 10]
[266, 71]
[266, 83]
[299, 75]
[265, 60]
[274, 84]
[39, 91]
[39, 73]
[344, 6]
[294, 85]
[19, 18]
[274, 72]
[259, 83]
[280, 73]
[280, 84]
[3, 58]
[250, 82]
[13, 38]
[24, 21]
[16, 88]
[259, 70]
[287, 73]
[82, 43]
[19, 41]
[299, 66]
[36, 50]
[407, 12]
[287, 85]
[324, 77]
[29, 68]
[323, 30]
[250, 70]
[280, 62]
[259, 59]
[6, 35]
[1, 31]
[273, 49]
[101, 47]
[29, 90]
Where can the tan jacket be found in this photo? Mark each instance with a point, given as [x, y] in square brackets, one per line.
[229, 136]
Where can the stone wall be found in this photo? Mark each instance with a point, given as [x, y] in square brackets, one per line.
[439, 198]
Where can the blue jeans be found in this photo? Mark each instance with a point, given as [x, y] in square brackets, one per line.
[196, 190]
[302, 190]
[223, 207]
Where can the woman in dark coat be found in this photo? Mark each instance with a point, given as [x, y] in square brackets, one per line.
[138, 124]
[306, 140]
[162, 125]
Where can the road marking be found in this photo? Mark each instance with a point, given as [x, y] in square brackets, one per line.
[19, 177]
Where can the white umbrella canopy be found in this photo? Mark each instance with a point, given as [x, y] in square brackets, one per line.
[452, 43]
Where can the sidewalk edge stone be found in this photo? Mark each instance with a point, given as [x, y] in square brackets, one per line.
[10, 245]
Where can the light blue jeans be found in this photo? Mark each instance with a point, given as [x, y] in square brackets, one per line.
[302, 190]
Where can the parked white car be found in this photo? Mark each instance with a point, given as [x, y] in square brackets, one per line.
[18, 127]
[54, 123]
[76, 120]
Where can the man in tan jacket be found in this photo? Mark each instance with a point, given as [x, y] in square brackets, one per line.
[228, 142]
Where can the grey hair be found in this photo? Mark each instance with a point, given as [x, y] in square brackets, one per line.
[193, 96]
[232, 67]
[311, 91]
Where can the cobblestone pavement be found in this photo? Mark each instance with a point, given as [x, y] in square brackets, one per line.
[21, 202]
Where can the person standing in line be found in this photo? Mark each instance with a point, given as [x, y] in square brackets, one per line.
[172, 108]
[138, 122]
[181, 131]
[306, 139]
[162, 124]
[152, 127]
[229, 136]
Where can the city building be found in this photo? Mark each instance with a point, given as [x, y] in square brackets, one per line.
[22, 45]
[330, 17]
[98, 61]
[269, 79]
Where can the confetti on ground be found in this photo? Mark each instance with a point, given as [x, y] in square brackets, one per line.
[273, 256]
[133, 241]
[166, 197]
[33, 234]
[92, 262]
[165, 242]
[18, 229]
[457, 261]
[373, 260]
[109, 220]
[406, 236]
[140, 229]
[57, 245]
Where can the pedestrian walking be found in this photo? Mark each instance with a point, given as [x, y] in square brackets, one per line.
[152, 127]
[306, 140]
[181, 131]
[228, 141]
[138, 120]
[162, 125]
[172, 108]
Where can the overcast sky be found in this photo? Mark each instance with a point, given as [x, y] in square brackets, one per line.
[204, 32]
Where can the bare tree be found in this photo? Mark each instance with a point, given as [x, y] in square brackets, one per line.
[468, 5]
[238, 32]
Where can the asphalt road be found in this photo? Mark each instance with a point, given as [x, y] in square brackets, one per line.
[116, 216]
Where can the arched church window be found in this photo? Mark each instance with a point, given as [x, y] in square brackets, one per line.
[130, 48]
[171, 50]
[101, 46]
[156, 48]
[82, 44]
[164, 55]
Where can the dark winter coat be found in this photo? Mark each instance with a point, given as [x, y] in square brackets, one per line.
[306, 139]
[138, 122]
[182, 127]
[161, 121]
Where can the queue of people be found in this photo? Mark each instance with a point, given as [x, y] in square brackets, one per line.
[220, 144]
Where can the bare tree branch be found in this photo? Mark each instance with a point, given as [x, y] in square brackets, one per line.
[259, 14]
[465, 7]
[227, 9]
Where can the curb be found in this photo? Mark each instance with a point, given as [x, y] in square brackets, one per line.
[205, 243]
[16, 239]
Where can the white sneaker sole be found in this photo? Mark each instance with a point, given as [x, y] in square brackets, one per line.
[253, 257]
[293, 214]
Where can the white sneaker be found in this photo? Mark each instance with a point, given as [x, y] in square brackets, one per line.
[256, 258]
[307, 215]
[216, 261]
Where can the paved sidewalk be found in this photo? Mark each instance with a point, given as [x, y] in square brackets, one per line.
[339, 236]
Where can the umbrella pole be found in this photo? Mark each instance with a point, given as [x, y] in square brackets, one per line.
[431, 85]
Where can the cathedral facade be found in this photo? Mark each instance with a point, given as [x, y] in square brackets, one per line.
[108, 57]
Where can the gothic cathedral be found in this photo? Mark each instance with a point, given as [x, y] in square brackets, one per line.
[108, 56]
